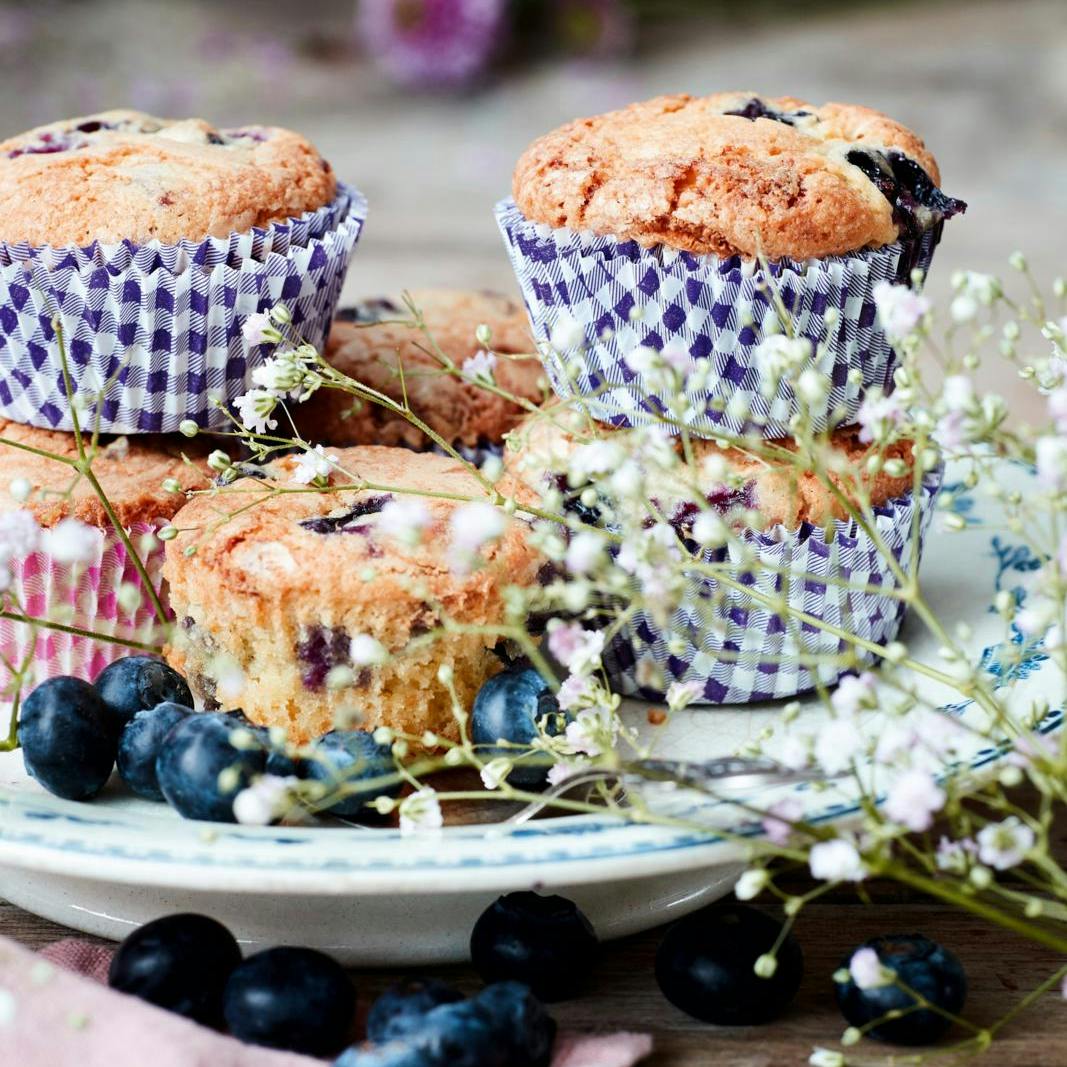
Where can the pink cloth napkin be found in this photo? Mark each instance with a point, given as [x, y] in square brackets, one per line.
[57, 1011]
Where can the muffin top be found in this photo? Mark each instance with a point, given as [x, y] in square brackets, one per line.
[736, 174]
[124, 175]
[371, 341]
[775, 490]
[131, 471]
[300, 550]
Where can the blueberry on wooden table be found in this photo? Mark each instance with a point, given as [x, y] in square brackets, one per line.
[69, 738]
[706, 965]
[137, 683]
[180, 963]
[403, 1003]
[509, 707]
[290, 998]
[198, 750]
[140, 744]
[544, 942]
[914, 961]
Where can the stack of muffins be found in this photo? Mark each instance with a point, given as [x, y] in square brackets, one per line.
[149, 242]
[695, 225]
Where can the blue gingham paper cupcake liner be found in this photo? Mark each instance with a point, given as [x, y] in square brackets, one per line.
[619, 296]
[738, 651]
[147, 347]
[275, 238]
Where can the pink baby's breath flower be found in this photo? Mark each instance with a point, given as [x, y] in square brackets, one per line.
[257, 329]
[780, 817]
[577, 649]
[867, 970]
[913, 799]
[481, 366]
[900, 309]
[878, 417]
[1005, 844]
[575, 691]
[836, 861]
[853, 692]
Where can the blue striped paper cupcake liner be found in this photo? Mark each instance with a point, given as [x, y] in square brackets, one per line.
[738, 650]
[621, 296]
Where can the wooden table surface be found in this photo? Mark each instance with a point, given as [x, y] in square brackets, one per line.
[1001, 968]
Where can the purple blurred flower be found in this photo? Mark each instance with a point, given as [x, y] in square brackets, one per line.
[596, 28]
[432, 43]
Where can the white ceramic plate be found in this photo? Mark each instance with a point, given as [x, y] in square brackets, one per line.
[373, 897]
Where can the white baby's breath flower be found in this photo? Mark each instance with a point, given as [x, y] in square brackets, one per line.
[779, 356]
[471, 527]
[420, 813]
[257, 329]
[854, 692]
[751, 884]
[404, 519]
[495, 772]
[566, 333]
[826, 1057]
[19, 534]
[780, 817]
[72, 541]
[837, 745]
[1005, 844]
[577, 649]
[312, 465]
[1050, 455]
[585, 551]
[836, 861]
[879, 415]
[265, 800]
[681, 694]
[480, 366]
[367, 651]
[867, 969]
[913, 800]
[900, 309]
[255, 408]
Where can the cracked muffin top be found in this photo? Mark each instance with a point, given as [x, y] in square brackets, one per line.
[124, 175]
[378, 343]
[736, 174]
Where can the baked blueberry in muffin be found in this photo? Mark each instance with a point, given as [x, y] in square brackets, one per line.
[736, 173]
[124, 175]
[317, 608]
[378, 344]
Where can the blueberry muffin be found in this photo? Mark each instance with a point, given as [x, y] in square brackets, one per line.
[305, 610]
[753, 486]
[700, 228]
[124, 175]
[731, 640]
[62, 560]
[373, 341]
[734, 173]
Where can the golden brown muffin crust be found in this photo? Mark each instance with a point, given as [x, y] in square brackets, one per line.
[461, 412]
[130, 470]
[676, 170]
[140, 178]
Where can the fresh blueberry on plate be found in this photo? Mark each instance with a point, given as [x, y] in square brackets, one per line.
[180, 963]
[509, 707]
[706, 966]
[393, 1013]
[198, 750]
[344, 758]
[544, 942]
[521, 1021]
[918, 963]
[69, 738]
[139, 746]
[136, 683]
[290, 998]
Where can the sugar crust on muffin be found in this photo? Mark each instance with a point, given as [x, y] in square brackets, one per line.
[730, 173]
[281, 590]
[124, 175]
[373, 340]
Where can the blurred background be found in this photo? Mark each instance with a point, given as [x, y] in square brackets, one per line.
[425, 104]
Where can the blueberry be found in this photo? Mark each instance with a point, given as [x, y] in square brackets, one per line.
[347, 757]
[392, 1014]
[924, 966]
[450, 1035]
[197, 751]
[705, 966]
[136, 683]
[291, 998]
[544, 941]
[520, 1020]
[180, 963]
[509, 708]
[140, 743]
[282, 765]
[69, 738]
